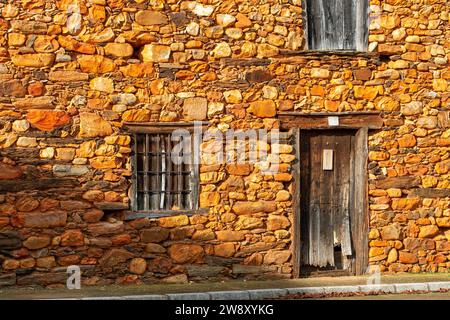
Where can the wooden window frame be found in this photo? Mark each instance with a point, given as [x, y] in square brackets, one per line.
[361, 29]
[136, 128]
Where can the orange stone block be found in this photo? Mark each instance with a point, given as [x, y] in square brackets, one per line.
[243, 21]
[239, 169]
[47, 120]
[70, 43]
[72, 238]
[318, 91]
[103, 162]
[263, 108]
[121, 239]
[224, 250]
[407, 141]
[332, 106]
[184, 253]
[406, 257]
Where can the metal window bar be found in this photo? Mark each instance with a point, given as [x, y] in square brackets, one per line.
[174, 180]
[154, 178]
[146, 169]
[163, 169]
[179, 178]
[169, 176]
[134, 175]
[158, 169]
[195, 158]
[188, 179]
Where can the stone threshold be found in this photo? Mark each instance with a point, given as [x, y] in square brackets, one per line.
[259, 294]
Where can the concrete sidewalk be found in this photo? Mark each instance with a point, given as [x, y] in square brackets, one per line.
[238, 289]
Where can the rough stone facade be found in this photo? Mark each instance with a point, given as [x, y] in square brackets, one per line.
[71, 77]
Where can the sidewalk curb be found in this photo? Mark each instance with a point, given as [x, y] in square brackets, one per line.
[258, 294]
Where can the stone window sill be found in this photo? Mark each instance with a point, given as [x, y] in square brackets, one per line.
[132, 215]
[111, 206]
[161, 127]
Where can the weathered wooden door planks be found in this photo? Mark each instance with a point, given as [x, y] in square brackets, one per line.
[332, 211]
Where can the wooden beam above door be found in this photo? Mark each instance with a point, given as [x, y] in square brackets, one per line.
[330, 120]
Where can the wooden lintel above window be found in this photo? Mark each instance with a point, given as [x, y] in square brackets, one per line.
[160, 127]
[327, 120]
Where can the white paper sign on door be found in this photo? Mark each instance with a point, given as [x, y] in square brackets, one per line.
[327, 159]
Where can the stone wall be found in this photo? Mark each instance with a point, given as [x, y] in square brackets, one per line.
[72, 75]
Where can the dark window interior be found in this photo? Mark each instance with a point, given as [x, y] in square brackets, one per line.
[160, 183]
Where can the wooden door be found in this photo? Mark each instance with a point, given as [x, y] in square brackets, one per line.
[327, 189]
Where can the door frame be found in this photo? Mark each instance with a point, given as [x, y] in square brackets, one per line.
[296, 122]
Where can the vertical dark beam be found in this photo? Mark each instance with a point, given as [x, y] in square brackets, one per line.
[163, 170]
[169, 173]
[174, 178]
[196, 173]
[134, 170]
[154, 149]
[158, 172]
[296, 253]
[179, 177]
[195, 187]
[145, 166]
[305, 191]
[188, 181]
[360, 201]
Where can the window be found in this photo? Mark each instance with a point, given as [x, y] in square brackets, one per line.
[337, 24]
[165, 175]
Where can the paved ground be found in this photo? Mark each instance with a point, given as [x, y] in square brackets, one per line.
[97, 291]
[423, 296]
